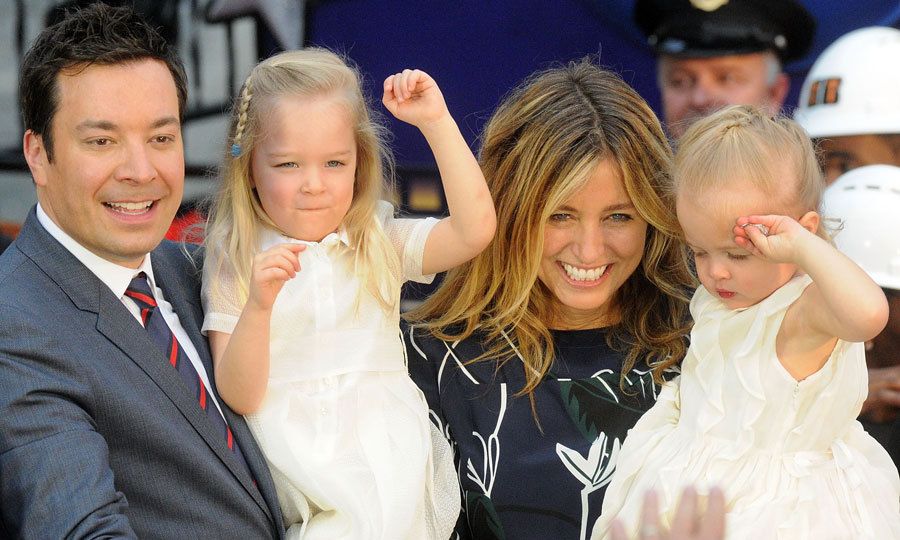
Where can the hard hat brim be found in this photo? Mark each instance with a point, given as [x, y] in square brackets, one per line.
[823, 123]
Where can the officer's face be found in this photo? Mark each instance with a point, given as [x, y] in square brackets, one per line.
[694, 87]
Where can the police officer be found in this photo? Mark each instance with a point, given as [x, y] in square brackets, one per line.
[850, 101]
[714, 53]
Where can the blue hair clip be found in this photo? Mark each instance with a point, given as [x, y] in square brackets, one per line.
[235, 150]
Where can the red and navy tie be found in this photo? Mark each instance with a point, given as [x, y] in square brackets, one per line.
[139, 291]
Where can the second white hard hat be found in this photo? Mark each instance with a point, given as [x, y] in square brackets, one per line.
[867, 202]
[853, 87]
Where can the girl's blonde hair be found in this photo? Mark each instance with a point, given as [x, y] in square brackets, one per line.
[237, 215]
[538, 150]
[743, 144]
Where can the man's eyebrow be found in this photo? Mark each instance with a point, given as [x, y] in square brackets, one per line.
[165, 121]
[106, 125]
[832, 154]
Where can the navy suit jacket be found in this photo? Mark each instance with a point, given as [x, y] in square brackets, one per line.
[98, 435]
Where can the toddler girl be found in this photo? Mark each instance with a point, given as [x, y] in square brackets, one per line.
[313, 357]
[775, 375]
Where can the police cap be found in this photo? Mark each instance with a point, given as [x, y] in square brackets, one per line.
[704, 28]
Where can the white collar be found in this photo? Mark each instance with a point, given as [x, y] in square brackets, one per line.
[115, 277]
[270, 237]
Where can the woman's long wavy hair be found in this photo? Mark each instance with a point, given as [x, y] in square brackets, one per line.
[237, 215]
[538, 150]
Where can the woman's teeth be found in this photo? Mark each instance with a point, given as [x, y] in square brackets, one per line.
[582, 274]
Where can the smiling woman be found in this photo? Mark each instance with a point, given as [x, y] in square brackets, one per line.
[538, 355]
[592, 245]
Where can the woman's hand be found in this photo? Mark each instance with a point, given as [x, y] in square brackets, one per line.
[690, 522]
[414, 97]
[271, 270]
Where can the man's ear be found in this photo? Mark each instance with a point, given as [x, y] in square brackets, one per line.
[810, 221]
[36, 156]
[778, 92]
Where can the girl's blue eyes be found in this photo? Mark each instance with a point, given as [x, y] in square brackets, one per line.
[331, 164]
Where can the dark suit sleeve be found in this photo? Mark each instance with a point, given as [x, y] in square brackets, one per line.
[55, 478]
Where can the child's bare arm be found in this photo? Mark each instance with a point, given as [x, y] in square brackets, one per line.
[842, 301]
[241, 359]
[414, 97]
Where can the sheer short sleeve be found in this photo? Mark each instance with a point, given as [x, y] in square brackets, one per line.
[220, 293]
[408, 237]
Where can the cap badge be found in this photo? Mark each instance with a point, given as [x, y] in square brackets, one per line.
[708, 5]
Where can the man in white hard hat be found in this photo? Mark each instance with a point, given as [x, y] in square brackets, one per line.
[850, 101]
[867, 202]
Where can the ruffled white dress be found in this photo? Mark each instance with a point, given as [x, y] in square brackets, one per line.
[344, 429]
[792, 459]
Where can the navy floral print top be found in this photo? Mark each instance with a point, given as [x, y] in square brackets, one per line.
[521, 479]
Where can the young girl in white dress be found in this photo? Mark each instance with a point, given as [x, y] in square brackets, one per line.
[769, 391]
[301, 290]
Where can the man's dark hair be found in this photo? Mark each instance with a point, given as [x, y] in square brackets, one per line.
[98, 34]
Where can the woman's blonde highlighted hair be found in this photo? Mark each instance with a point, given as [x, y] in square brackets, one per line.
[742, 144]
[539, 149]
[236, 214]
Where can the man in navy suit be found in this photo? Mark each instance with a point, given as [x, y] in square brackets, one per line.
[100, 435]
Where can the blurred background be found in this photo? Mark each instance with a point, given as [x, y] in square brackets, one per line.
[477, 50]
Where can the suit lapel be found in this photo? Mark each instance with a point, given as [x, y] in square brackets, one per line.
[74, 279]
[88, 293]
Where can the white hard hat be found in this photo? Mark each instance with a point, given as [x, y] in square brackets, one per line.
[854, 86]
[867, 202]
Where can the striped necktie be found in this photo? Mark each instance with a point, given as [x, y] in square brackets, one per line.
[153, 321]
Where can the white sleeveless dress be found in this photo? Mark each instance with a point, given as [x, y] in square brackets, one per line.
[344, 429]
[792, 459]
